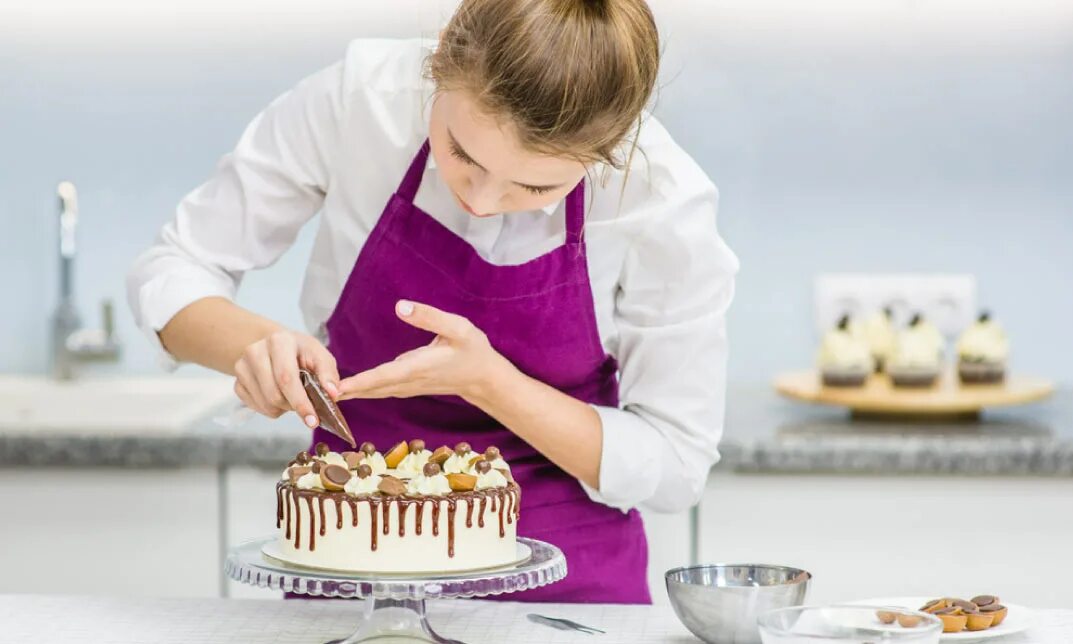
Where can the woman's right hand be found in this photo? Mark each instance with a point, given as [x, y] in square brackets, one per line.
[266, 374]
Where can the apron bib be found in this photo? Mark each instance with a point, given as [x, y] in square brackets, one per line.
[539, 315]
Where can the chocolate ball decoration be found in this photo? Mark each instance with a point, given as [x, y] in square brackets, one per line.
[322, 448]
[462, 448]
[368, 448]
[431, 469]
[363, 471]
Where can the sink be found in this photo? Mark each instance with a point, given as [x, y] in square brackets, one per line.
[121, 405]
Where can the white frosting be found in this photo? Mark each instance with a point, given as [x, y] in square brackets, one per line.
[841, 349]
[878, 332]
[285, 476]
[367, 485]
[492, 478]
[333, 458]
[918, 347]
[429, 485]
[413, 463]
[499, 464]
[376, 462]
[456, 464]
[984, 341]
[309, 481]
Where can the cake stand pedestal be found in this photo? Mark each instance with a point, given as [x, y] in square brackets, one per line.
[394, 605]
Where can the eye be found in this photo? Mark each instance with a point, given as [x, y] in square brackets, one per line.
[537, 190]
[459, 154]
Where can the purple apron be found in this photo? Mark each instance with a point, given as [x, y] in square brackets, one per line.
[539, 315]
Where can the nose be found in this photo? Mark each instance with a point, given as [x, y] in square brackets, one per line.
[485, 196]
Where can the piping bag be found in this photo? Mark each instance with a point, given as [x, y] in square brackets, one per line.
[331, 419]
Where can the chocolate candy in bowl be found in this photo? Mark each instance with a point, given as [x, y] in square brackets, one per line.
[720, 603]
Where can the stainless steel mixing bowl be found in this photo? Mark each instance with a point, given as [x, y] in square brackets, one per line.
[720, 603]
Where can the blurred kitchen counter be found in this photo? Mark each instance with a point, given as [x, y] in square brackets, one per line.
[764, 434]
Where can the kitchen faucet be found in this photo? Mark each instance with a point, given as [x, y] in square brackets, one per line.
[70, 342]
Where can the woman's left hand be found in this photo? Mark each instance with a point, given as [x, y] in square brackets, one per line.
[459, 361]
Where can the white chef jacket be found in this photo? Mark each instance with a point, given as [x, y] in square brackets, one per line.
[339, 142]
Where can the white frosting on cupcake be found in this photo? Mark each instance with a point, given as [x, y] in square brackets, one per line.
[984, 341]
[309, 481]
[491, 478]
[920, 346]
[456, 464]
[843, 350]
[429, 485]
[367, 485]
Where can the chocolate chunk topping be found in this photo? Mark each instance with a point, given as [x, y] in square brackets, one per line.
[483, 467]
[440, 456]
[322, 449]
[296, 473]
[962, 604]
[328, 412]
[992, 608]
[391, 486]
[363, 471]
[462, 448]
[316, 467]
[492, 453]
[430, 469]
[336, 474]
[353, 459]
[416, 445]
[984, 600]
[302, 458]
[368, 448]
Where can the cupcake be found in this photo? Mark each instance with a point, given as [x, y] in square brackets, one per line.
[982, 352]
[878, 332]
[918, 355]
[844, 358]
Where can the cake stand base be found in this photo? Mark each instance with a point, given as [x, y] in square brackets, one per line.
[402, 618]
[394, 605]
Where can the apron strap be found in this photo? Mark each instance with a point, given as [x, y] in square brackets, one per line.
[575, 214]
[411, 181]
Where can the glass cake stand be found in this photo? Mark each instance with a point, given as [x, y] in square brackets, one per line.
[394, 605]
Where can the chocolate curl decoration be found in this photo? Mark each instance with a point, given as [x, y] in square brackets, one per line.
[328, 412]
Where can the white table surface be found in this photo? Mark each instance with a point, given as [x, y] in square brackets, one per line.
[117, 620]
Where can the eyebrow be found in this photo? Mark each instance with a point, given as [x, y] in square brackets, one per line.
[458, 147]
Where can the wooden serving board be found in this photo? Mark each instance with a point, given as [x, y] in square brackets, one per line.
[947, 397]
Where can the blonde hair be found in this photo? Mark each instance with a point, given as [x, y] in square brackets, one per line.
[572, 76]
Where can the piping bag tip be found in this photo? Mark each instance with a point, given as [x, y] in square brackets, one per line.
[331, 418]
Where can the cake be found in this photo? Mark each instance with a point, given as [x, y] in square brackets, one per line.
[408, 510]
[918, 355]
[844, 358]
[982, 352]
[878, 332]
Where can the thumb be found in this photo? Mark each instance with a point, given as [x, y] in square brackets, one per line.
[432, 319]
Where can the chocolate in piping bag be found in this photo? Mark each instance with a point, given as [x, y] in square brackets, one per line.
[328, 412]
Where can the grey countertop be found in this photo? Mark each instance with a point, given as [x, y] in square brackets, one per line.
[763, 434]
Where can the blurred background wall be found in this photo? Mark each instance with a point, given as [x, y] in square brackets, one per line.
[877, 135]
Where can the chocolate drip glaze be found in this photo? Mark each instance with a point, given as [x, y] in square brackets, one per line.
[504, 501]
[451, 527]
[312, 525]
[502, 531]
[353, 511]
[372, 512]
[279, 506]
[320, 502]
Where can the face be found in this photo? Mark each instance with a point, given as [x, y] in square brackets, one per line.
[484, 165]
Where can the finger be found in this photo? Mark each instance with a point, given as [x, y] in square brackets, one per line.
[389, 374]
[283, 354]
[314, 356]
[248, 399]
[429, 318]
[257, 369]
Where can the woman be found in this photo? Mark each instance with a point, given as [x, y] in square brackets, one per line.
[531, 282]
